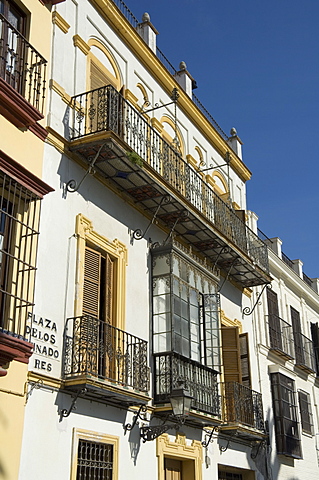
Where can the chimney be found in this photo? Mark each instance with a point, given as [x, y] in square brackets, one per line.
[148, 32]
[185, 80]
[235, 143]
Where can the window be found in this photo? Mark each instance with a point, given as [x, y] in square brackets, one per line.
[178, 460]
[304, 353]
[19, 219]
[95, 456]
[315, 340]
[305, 412]
[285, 416]
[280, 332]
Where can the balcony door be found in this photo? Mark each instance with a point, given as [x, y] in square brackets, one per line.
[275, 336]
[12, 28]
[173, 469]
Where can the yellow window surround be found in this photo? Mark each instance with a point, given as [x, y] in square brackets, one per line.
[91, 436]
[118, 252]
[192, 455]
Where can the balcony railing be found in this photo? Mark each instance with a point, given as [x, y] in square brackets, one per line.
[280, 336]
[21, 66]
[104, 109]
[243, 406]
[172, 369]
[96, 349]
[304, 352]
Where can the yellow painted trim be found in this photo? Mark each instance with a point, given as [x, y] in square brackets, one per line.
[157, 125]
[116, 80]
[128, 95]
[60, 91]
[179, 450]
[222, 179]
[192, 161]
[92, 436]
[236, 206]
[59, 21]
[129, 35]
[200, 154]
[117, 250]
[46, 380]
[168, 138]
[144, 92]
[81, 44]
[227, 322]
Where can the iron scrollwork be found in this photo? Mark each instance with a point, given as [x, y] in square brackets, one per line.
[138, 234]
[140, 414]
[65, 413]
[248, 310]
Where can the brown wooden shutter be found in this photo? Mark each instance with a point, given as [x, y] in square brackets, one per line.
[275, 336]
[109, 289]
[173, 469]
[97, 77]
[296, 327]
[244, 358]
[92, 280]
[231, 355]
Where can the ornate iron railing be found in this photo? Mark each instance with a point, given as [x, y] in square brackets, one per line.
[172, 370]
[280, 335]
[97, 349]
[242, 405]
[104, 109]
[21, 66]
[304, 352]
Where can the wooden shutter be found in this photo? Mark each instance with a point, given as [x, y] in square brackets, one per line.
[97, 77]
[296, 326]
[173, 469]
[244, 360]
[273, 320]
[231, 355]
[315, 340]
[92, 281]
[305, 412]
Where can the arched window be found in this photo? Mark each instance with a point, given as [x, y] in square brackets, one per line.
[170, 132]
[102, 67]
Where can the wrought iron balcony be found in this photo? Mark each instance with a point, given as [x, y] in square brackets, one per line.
[280, 336]
[96, 351]
[171, 369]
[304, 353]
[21, 66]
[156, 177]
[242, 407]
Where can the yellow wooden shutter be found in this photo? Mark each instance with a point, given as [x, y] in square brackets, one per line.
[173, 469]
[244, 358]
[97, 77]
[92, 279]
[231, 355]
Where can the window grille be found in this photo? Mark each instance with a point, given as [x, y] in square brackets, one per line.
[19, 220]
[95, 461]
[285, 416]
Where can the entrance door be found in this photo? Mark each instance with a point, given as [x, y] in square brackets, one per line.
[173, 469]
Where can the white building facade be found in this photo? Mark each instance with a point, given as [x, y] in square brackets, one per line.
[146, 265]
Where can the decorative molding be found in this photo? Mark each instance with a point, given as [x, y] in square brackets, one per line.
[179, 450]
[248, 292]
[23, 176]
[53, 85]
[157, 125]
[13, 348]
[15, 108]
[59, 21]
[227, 322]
[128, 95]
[81, 44]
[34, 377]
[39, 131]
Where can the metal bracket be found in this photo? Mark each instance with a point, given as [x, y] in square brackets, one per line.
[138, 234]
[227, 160]
[173, 228]
[138, 415]
[150, 433]
[174, 97]
[248, 310]
[225, 447]
[261, 443]
[228, 273]
[65, 412]
[209, 434]
[72, 185]
[34, 385]
[223, 250]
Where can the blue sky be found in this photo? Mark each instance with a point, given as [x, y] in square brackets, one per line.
[256, 64]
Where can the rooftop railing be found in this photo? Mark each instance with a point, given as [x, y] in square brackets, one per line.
[104, 109]
[21, 66]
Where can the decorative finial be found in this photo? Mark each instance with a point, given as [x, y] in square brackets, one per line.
[182, 66]
[146, 17]
[233, 132]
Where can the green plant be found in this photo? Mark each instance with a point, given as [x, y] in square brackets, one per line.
[135, 158]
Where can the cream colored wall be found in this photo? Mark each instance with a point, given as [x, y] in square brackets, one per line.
[40, 26]
[12, 399]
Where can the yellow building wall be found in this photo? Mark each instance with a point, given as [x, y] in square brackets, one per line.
[12, 406]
